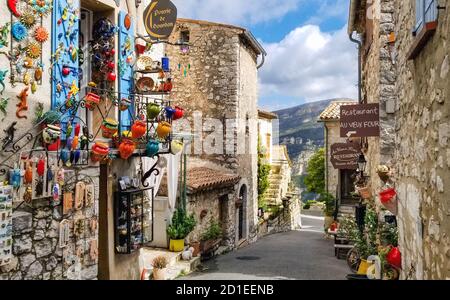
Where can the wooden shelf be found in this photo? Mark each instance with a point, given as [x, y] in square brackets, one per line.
[152, 71]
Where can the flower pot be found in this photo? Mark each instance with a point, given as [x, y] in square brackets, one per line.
[159, 274]
[152, 148]
[176, 245]
[394, 258]
[51, 134]
[170, 112]
[179, 113]
[138, 129]
[176, 147]
[196, 246]
[153, 110]
[109, 128]
[389, 200]
[91, 100]
[163, 129]
[126, 148]
[209, 245]
[363, 267]
[365, 192]
[327, 222]
[99, 151]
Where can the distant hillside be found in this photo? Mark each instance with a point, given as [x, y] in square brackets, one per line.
[300, 131]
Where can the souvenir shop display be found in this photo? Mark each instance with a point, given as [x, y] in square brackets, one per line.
[5, 224]
[129, 210]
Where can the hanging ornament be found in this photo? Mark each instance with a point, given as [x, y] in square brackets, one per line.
[111, 77]
[18, 31]
[26, 78]
[28, 177]
[41, 34]
[33, 87]
[65, 71]
[28, 19]
[127, 21]
[4, 30]
[38, 74]
[55, 192]
[12, 5]
[41, 7]
[33, 50]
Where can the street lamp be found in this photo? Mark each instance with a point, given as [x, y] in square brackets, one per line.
[362, 164]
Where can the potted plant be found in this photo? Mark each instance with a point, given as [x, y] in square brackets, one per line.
[211, 237]
[182, 225]
[159, 265]
[329, 207]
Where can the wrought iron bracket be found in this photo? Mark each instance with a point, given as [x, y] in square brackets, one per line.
[149, 173]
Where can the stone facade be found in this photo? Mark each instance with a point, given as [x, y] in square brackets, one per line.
[422, 156]
[220, 90]
[415, 130]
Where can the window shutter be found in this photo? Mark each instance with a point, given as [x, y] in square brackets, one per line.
[419, 15]
[431, 11]
[126, 75]
[65, 33]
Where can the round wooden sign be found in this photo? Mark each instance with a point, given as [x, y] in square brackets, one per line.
[160, 17]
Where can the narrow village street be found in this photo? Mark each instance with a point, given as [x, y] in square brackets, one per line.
[298, 254]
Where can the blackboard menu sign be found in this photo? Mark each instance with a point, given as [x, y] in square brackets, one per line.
[344, 156]
[362, 120]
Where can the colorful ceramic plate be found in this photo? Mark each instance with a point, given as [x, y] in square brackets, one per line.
[144, 62]
[145, 84]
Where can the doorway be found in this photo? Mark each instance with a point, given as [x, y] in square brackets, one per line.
[241, 205]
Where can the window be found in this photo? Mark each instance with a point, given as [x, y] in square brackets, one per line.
[426, 24]
[426, 12]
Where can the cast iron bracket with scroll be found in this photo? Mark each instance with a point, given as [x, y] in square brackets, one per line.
[149, 173]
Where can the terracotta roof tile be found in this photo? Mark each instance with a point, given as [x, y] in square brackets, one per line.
[199, 179]
[333, 111]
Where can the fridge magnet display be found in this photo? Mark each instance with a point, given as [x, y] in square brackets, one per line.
[5, 224]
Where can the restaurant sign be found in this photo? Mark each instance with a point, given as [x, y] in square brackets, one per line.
[160, 17]
[344, 156]
[362, 120]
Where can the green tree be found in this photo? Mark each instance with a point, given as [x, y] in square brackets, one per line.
[315, 178]
[263, 176]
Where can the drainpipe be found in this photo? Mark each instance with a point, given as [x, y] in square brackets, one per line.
[359, 65]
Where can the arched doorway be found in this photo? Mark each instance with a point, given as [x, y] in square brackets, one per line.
[241, 205]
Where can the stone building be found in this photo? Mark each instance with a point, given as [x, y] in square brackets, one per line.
[217, 86]
[337, 182]
[41, 248]
[266, 135]
[406, 44]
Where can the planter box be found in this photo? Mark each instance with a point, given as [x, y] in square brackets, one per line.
[208, 246]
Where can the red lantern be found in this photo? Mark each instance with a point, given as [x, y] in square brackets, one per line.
[111, 65]
[126, 148]
[112, 52]
[138, 129]
[111, 76]
[394, 257]
[179, 113]
[387, 195]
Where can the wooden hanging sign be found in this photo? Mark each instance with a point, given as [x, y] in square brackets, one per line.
[344, 156]
[160, 17]
[361, 120]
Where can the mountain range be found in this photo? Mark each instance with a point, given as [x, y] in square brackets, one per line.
[299, 129]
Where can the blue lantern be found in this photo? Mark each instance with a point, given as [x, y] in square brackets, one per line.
[152, 148]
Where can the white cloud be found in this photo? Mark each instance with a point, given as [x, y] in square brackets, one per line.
[330, 9]
[310, 64]
[239, 12]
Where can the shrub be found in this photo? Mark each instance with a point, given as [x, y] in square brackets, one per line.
[330, 204]
[160, 262]
[307, 206]
[213, 232]
[182, 225]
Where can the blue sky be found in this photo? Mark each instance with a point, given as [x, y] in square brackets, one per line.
[310, 57]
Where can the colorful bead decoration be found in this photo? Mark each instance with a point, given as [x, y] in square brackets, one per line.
[18, 31]
[41, 7]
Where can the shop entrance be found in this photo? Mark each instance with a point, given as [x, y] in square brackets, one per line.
[241, 212]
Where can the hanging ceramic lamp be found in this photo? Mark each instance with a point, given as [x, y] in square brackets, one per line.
[138, 129]
[176, 147]
[153, 110]
[170, 111]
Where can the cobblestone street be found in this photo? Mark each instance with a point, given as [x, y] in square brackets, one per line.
[303, 254]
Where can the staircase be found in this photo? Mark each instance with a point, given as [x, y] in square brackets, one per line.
[346, 211]
[273, 192]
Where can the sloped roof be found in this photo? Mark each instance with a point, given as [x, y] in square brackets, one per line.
[202, 178]
[267, 114]
[333, 111]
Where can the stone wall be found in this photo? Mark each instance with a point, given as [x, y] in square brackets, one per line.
[288, 219]
[36, 250]
[218, 205]
[379, 75]
[221, 84]
[422, 157]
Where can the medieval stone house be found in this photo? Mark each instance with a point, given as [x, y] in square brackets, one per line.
[405, 63]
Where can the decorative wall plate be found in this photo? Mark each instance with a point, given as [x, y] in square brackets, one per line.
[144, 62]
[41, 34]
[145, 84]
[18, 31]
